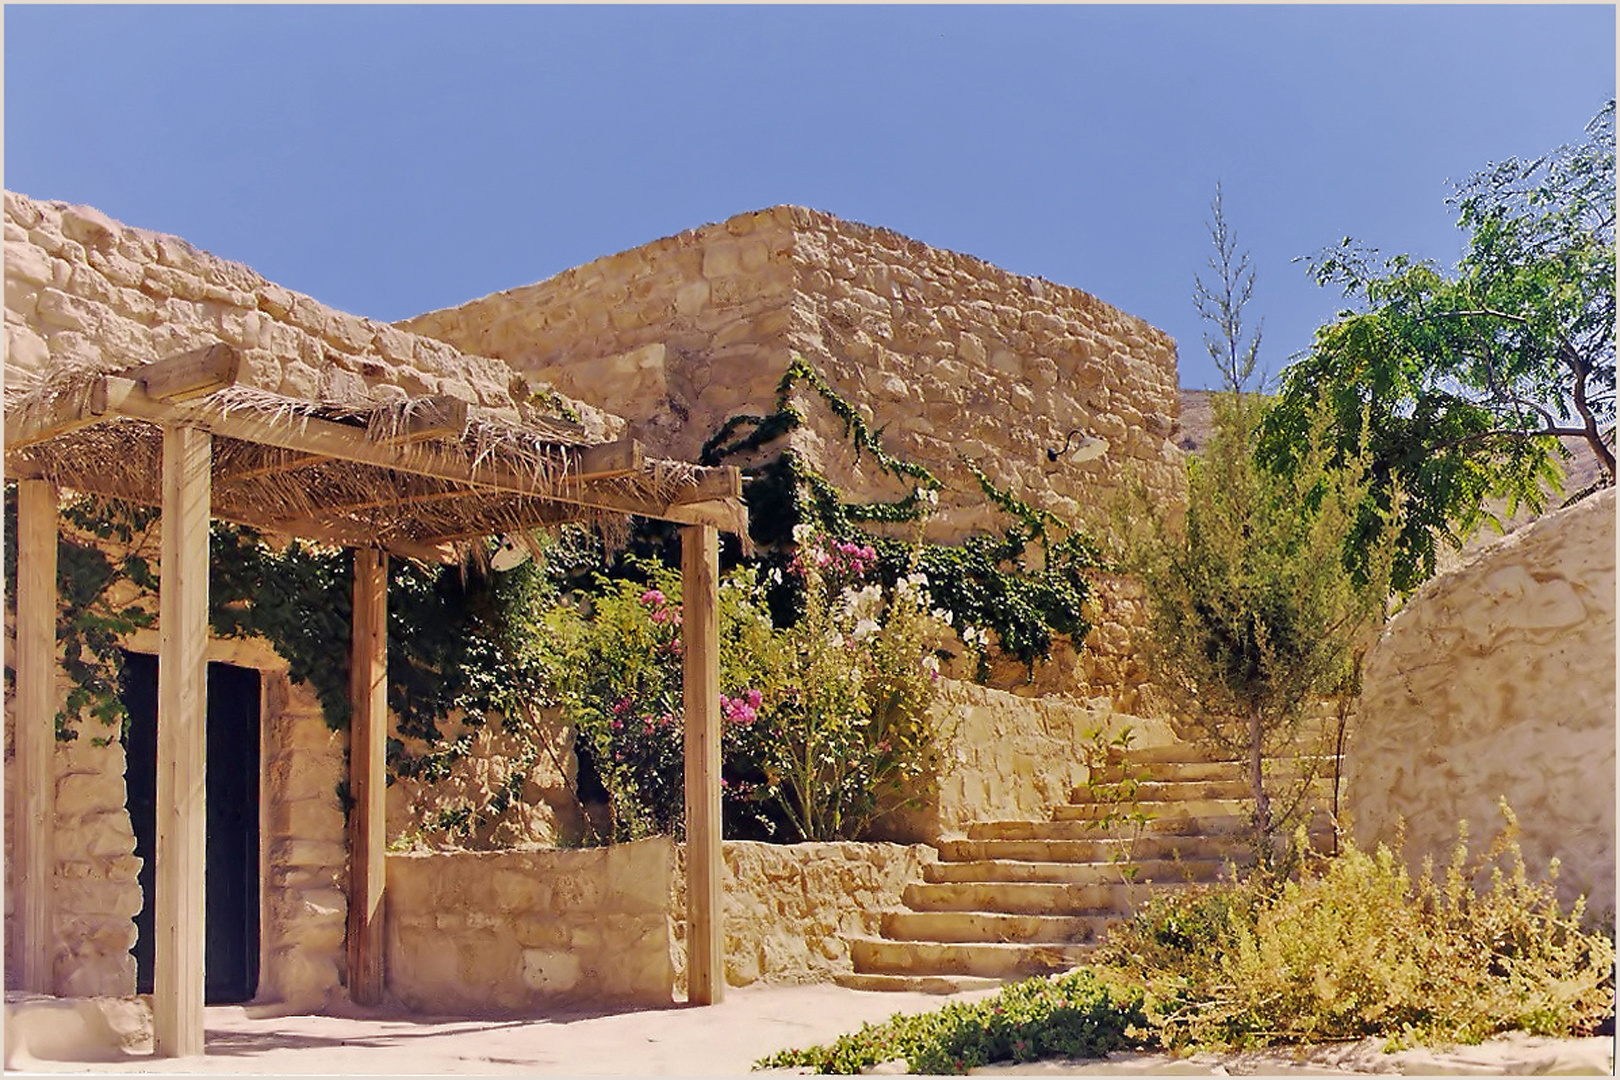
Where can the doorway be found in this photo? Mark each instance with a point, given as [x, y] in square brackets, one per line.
[231, 874]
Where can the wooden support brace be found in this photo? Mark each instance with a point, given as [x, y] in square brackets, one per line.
[700, 671]
[178, 928]
[439, 419]
[34, 785]
[189, 375]
[368, 780]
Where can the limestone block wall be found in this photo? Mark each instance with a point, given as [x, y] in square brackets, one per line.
[84, 290]
[503, 931]
[788, 907]
[94, 893]
[303, 849]
[952, 357]
[1012, 757]
[537, 768]
[1498, 680]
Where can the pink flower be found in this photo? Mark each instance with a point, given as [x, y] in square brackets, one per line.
[755, 698]
[654, 598]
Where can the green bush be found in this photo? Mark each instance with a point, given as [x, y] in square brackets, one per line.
[1355, 947]
[827, 723]
[1074, 1015]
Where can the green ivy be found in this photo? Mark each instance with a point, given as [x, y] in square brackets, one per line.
[984, 582]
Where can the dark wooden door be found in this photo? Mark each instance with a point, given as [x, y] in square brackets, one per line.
[231, 875]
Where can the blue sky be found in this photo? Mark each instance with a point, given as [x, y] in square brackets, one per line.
[393, 160]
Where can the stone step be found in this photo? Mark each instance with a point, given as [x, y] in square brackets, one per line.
[1177, 790]
[995, 960]
[1029, 897]
[1075, 873]
[979, 926]
[1084, 847]
[916, 984]
[1119, 833]
[1176, 753]
[1160, 813]
[1208, 770]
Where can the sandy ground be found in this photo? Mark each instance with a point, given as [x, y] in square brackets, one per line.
[726, 1039]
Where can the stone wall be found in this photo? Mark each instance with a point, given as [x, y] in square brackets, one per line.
[1498, 680]
[303, 848]
[1012, 757]
[788, 907]
[479, 932]
[954, 358]
[84, 290]
[455, 804]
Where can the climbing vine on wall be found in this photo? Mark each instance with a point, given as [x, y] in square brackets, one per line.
[448, 629]
[986, 581]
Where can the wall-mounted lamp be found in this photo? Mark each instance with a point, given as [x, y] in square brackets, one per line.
[509, 554]
[1090, 448]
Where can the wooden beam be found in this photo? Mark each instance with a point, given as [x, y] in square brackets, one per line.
[700, 676]
[189, 375]
[34, 781]
[178, 928]
[368, 781]
[440, 418]
[36, 425]
[603, 461]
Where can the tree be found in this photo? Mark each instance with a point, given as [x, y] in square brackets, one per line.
[1255, 615]
[1455, 385]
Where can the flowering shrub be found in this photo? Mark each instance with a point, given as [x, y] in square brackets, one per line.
[826, 724]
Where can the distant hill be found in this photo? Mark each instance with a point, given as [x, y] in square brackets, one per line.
[1581, 470]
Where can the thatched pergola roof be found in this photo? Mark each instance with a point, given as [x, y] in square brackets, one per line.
[420, 476]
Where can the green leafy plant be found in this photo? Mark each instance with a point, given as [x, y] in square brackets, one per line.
[827, 723]
[1074, 1015]
[1356, 947]
[1255, 616]
[1452, 385]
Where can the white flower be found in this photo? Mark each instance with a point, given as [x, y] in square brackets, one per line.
[865, 629]
[803, 532]
[930, 664]
[861, 603]
[974, 637]
[942, 615]
[775, 576]
[836, 640]
[928, 498]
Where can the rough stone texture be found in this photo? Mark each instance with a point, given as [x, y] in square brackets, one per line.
[302, 905]
[504, 931]
[537, 768]
[1011, 757]
[788, 907]
[953, 357]
[84, 290]
[1498, 680]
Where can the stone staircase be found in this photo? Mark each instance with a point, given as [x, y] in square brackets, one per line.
[1020, 898]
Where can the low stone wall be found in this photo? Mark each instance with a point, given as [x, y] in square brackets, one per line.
[1498, 680]
[789, 907]
[479, 932]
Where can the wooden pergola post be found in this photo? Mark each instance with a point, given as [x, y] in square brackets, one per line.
[368, 736]
[700, 671]
[34, 784]
[178, 930]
